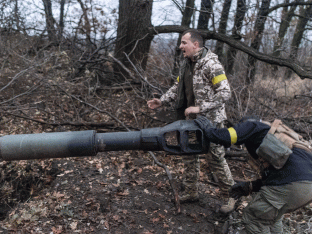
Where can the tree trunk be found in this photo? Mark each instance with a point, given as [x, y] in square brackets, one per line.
[133, 37]
[49, 20]
[300, 28]
[186, 21]
[258, 30]
[206, 9]
[222, 28]
[16, 16]
[87, 26]
[241, 10]
[61, 24]
[285, 23]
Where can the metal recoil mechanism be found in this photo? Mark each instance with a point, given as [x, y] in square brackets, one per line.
[180, 137]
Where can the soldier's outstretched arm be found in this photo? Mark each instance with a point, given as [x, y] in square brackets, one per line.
[239, 134]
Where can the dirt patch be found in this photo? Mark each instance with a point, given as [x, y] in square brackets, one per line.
[21, 180]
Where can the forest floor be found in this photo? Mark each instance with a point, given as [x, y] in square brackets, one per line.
[126, 192]
[116, 192]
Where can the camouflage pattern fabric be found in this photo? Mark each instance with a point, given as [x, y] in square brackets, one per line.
[265, 212]
[210, 86]
[191, 174]
[211, 90]
[220, 168]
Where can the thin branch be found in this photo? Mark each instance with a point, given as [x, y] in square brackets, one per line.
[143, 78]
[268, 107]
[287, 5]
[89, 124]
[16, 76]
[298, 96]
[123, 67]
[171, 181]
[30, 90]
[299, 70]
[178, 6]
[94, 107]
[136, 43]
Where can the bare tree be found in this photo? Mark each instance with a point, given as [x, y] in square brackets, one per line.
[61, 23]
[206, 9]
[87, 26]
[299, 70]
[256, 42]
[222, 27]
[187, 13]
[50, 21]
[133, 37]
[241, 10]
[16, 16]
[306, 14]
[286, 18]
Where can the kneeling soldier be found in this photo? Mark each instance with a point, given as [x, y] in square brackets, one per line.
[286, 168]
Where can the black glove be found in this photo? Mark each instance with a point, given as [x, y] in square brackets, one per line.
[204, 123]
[256, 185]
[241, 189]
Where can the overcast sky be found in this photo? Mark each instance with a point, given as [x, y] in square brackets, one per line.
[164, 11]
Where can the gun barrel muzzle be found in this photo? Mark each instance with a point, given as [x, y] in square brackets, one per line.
[48, 145]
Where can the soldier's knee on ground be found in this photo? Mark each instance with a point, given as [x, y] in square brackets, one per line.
[260, 216]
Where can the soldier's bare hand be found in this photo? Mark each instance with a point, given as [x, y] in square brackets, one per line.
[154, 103]
[191, 110]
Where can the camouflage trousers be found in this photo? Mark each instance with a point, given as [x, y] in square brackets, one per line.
[264, 214]
[218, 166]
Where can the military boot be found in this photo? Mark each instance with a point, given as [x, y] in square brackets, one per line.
[228, 205]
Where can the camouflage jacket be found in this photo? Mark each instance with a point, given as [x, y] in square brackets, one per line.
[210, 86]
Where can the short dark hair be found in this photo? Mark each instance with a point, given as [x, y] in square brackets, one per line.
[195, 36]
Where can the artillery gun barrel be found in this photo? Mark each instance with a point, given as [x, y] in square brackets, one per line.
[89, 143]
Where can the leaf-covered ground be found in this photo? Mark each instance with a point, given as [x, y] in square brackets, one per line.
[125, 192]
[116, 192]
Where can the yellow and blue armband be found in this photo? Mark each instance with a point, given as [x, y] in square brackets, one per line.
[233, 135]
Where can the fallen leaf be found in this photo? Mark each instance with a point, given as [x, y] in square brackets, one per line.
[161, 216]
[124, 193]
[155, 220]
[159, 184]
[73, 225]
[116, 217]
[58, 230]
[58, 195]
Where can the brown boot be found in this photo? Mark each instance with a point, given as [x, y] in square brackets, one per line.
[189, 197]
[228, 206]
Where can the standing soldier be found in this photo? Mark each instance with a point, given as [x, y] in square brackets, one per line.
[201, 89]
